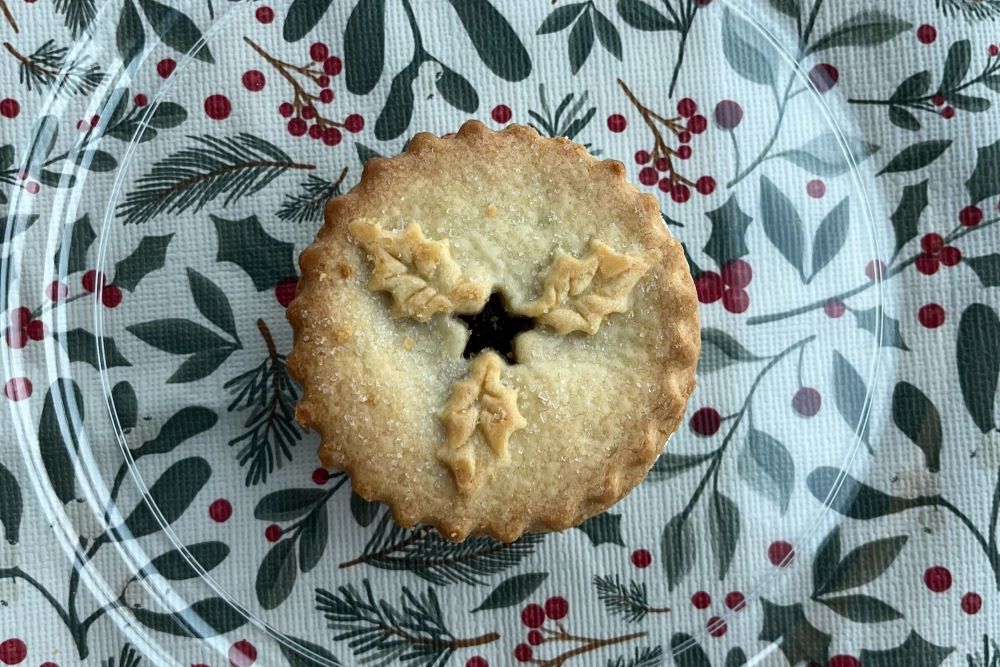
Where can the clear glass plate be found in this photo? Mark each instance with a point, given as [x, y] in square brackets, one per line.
[183, 171]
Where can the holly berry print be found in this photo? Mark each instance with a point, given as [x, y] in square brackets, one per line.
[162, 296]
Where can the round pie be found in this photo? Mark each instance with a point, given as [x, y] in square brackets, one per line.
[495, 333]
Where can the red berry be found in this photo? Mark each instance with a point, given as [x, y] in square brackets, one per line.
[834, 308]
[705, 185]
[220, 510]
[253, 80]
[501, 113]
[937, 579]
[477, 661]
[697, 124]
[617, 122]
[843, 661]
[218, 107]
[816, 188]
[948, 113]
[264, 14]
[297, 127]
[806, 401]
[927, 264]
[319, 51]
[706, 421]
[648, 176]
[716, 626]
[533, 616]
[92, 280]
[728, 114]
[970, 216]
[875, 270]
[284, 291]
[684, 137]
[286, 109]
[994, 50]
[326, 96]
[680, 193]
[665, 185]
[272, 533]
[19, 317]
[932, 243]
[687, 107]
[938, 100]
[16, 338]
[48, 664]
[140, 100]
[556, 607]
[522, 652]
[308, 112]
[333, 65]
[13, 651]
[709, 286]
[17, 389]
[111, 296]
[354, 123]
[641, 558]
[37, 330]
[735, 300]
[315, 131]
[737, 273]
[9, 108]
[701, 600]
[323, 80]
[780, 553]
[684, 152]
[32, 187]
[926, 34]
[166, 67]
[972, 603]
[950, 255]
[332, 136]
[642, 157]
[320, 476]
[535, 637]
[824, 77]
[735, 601]
[662, 164]
[242, 654]
[931, 316]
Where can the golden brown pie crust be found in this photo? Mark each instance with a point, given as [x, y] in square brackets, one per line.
[481, 446]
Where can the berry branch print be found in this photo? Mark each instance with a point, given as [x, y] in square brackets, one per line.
[661, 158]
[9, 17]
[304, 109]
[270, 394]
[545, 626]
[414, 632]
[914, 93]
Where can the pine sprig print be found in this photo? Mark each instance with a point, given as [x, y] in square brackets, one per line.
[307, 205]
[977, 10]
[270, 394]
[128, 657]
[47, 66]
[229, 168]
[414, 632]
[77, 14]
[644, 656]
[630, 602]
[426, 554]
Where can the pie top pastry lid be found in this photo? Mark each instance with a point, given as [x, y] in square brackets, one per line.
[480, 444]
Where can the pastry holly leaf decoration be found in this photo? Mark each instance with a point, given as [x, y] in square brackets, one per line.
[577, 294]
[418, 273]
[480, 403]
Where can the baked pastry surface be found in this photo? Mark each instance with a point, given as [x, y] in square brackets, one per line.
[480, 445]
